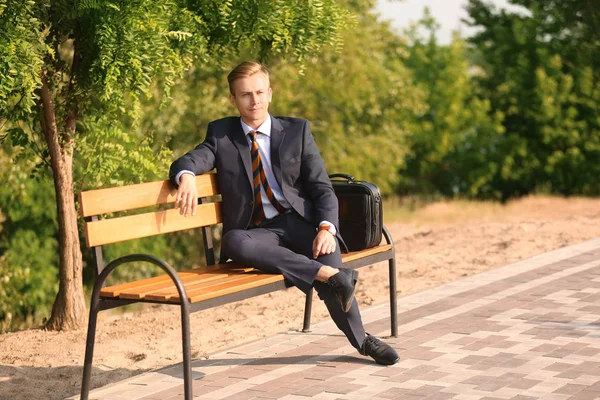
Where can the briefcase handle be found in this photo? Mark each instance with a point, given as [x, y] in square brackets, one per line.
[345, 176]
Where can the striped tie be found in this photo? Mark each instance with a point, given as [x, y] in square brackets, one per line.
[260, 177]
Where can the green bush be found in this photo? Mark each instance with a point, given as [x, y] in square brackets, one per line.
[28, 246]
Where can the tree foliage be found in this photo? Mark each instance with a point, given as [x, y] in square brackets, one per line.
[511, 111]
[28, 247]
[451, 140]
[541, 71]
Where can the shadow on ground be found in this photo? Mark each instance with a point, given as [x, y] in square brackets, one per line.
[176, 370]
[53, 383]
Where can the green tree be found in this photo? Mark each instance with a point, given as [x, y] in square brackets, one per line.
[449, 144]
[69, 69]
[541, 71]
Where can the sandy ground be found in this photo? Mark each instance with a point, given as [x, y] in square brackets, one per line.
[435, 244]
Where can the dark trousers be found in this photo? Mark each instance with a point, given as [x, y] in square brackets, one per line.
[283, 245]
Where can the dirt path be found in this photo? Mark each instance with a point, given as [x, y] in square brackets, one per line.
[436, 244]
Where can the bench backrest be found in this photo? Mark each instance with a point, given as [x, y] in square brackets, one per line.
[99, 232]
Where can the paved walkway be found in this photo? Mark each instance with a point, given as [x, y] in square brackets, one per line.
[529, 330]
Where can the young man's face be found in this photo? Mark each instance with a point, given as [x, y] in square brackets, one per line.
[252, 95]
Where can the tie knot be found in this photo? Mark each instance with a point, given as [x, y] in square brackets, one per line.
[253, 135]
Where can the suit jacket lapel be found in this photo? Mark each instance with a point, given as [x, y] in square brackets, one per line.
[240, 141]
[277, 136]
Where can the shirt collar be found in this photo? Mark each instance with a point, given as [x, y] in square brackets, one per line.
[264, 128]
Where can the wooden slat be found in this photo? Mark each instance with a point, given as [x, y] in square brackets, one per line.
[138, 226]
[252, 282]
[116, 290]
[166, 288]
[354, 255]
[167, 293]
[234, 281]
[102, 201]
[143, 289]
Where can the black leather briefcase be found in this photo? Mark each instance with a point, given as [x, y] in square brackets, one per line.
[361, 211]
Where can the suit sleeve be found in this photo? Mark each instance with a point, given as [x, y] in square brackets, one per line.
[199, 160]
[316, 181]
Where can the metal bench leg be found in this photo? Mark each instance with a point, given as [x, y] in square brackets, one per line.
[307, 311]
[89, 344]
[187, 357]
[393, 295]
[393, 298]
[94, 309]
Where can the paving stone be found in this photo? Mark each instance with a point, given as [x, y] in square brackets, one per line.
[584, 395]
[433, 376]
[401, 378]
[559, 367]
[298, 384]
[394, 393]
[440, 396]
[471, 360]
[478, 380]
[387, 372]
[310, 391]
[245, 395]
[425, 390]
[570, 388]
[524, 384]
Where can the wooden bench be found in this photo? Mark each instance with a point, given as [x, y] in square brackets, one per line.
[194, 289]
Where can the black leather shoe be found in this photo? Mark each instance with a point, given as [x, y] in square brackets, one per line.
[344, 285]
[381, 352]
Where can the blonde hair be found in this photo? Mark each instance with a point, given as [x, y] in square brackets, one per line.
[245, 69]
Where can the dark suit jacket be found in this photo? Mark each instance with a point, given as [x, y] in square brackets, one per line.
[297, 166]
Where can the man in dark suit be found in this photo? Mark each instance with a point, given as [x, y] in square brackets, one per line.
[280, 213]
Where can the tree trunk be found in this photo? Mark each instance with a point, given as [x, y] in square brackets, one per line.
[68, 311]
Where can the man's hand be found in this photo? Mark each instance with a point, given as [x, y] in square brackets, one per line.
[187, 196]
[324, 243]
